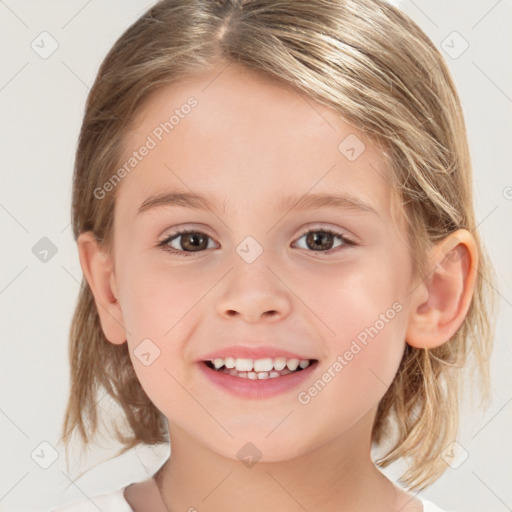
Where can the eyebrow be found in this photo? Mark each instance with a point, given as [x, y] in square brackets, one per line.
[306, 202]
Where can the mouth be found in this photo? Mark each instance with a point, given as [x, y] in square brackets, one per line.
[257, 378]
[258, 369]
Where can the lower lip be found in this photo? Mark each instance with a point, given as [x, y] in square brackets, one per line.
[257, 388]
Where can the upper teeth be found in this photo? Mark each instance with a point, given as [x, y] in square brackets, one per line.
[260, 365]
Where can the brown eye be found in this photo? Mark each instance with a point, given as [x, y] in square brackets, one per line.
[183, 242]
[323, 240]
[320, 242]
[193, 241]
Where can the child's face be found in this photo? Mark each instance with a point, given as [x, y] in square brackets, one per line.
[249, 145]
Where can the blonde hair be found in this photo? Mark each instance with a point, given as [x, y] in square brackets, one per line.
[376, 68]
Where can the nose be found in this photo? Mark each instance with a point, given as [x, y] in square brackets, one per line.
[255, 293]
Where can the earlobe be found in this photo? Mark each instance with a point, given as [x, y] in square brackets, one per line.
[98, 270]
[449, 288]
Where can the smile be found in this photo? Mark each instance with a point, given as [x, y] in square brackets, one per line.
[257, 378]
[258, 369]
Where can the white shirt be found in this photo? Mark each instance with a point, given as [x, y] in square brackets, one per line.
[115, 502]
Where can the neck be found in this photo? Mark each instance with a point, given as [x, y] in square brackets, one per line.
[339, 475]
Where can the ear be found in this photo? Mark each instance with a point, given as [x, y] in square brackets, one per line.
[99, 272]
[441, 302]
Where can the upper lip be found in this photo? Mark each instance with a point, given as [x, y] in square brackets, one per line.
[248, 352]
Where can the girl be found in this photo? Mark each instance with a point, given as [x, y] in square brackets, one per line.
[273, 209]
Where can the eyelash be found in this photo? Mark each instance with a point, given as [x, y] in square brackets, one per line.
[164, 243]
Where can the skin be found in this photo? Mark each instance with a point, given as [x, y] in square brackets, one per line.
[249, 143]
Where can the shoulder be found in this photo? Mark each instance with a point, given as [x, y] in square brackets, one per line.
[428, 506]
[108, 502]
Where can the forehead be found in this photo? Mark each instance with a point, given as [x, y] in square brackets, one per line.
[240, 137]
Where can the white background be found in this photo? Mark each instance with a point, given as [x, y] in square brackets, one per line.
[42, 104]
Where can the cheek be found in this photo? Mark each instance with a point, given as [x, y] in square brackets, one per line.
[158, 309]
[361, 299]
[363, 358]
[363, 311]
[155, 299]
